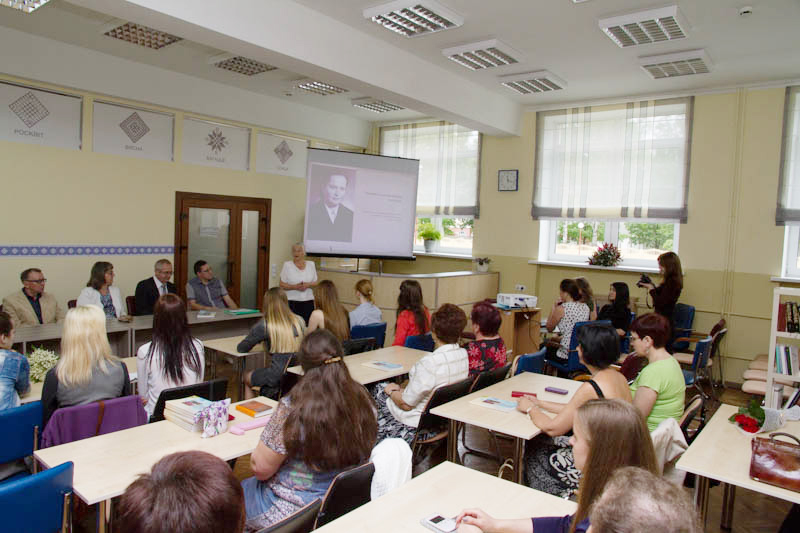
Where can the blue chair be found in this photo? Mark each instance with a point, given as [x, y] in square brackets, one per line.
[20, 433]
[702, 350]
[573, 365]
[39, 503]
[531, 362]
[376, 331]
[420, 342]
[682, 320]
[625, 342]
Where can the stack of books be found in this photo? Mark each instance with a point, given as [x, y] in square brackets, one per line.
[787, 361]
[789, 317]
[181, 412]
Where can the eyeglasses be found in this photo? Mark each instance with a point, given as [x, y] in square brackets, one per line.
[206, 271]
[43, 280]
[165, 272]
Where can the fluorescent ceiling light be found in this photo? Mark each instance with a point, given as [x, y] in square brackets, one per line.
[483, 54]
[28, 6]
[374, 105]
[411, 18]
[540, 81]
[677, 64]
[141, 35]
[645, 27]
[318, 87]
[240, 65]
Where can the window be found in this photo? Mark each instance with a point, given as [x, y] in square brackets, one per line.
[788, 212]
[456, 235]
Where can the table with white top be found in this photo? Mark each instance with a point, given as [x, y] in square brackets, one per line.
[119, 336]
[447, 489]
[722, 452]
[405, 357]
[105, 465]
[35, 393]
[513, 423]
[227, 346]
[221, 325]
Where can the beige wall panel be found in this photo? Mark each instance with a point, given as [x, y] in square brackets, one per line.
[464, 290]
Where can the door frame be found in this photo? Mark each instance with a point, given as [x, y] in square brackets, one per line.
[236, 204]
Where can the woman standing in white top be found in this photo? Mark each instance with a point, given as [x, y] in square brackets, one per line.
[173, 358]
[298, 276]
[99, 291]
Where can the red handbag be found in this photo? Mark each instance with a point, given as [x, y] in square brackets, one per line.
[776, 462]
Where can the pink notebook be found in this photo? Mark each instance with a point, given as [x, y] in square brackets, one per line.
[239, 429]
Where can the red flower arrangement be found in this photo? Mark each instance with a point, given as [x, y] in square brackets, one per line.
[749, 418]
[606, 255]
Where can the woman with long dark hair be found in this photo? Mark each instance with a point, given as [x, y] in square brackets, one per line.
[173, 358]
[666, 295]
[329, 313]
[618, 310]
[100, 291]
[413, 318]
[326, 425]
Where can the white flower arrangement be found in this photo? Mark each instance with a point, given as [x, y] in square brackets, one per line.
[41, 361]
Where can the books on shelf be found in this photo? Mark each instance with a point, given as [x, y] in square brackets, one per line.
[787, 360]
[181, 412]
[794, 399]
[789, 317]
[254, 408]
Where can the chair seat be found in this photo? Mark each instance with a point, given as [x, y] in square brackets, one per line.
[761, 375]
[758, 365]
[760, 388]
[686, 359]
[761, 357]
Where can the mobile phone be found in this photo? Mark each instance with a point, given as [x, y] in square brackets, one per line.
[438, 523]
[519, 394]
[555, 390]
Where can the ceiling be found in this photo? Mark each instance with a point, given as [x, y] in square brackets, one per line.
[330, 40]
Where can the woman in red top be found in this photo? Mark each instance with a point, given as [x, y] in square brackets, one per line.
[487, 351]
[413, 318]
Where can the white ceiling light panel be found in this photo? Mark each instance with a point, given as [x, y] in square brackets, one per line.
[411, 19]
[28, 6]
[677, 64]
[240, 65]
[374, 105]
[141, 35]
[646, 27]
[483, 54]
[540, 81]
[318, 87]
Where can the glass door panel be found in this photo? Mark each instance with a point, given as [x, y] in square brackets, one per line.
[209, 236]
[249, 260]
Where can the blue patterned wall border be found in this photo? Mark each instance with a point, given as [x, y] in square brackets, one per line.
[20, 250]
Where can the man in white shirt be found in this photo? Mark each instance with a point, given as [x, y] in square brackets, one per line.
[328, 219]
[150, 289]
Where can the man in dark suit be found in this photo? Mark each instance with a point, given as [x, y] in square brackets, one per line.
[150, 289]
[328, 219]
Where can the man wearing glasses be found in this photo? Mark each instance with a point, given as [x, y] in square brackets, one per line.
[150, 289]
[207, 292]
[32, 306]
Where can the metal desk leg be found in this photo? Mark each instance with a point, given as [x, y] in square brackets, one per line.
[519, 452]
[701, 498]
[728, 497]
[240, 378]
[452, 442]
[212, 370]
[103, 517]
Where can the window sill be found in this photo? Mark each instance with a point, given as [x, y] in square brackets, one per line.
[443, 254]
[781, 279]
[567, 264]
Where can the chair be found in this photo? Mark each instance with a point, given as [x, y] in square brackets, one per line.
[349, 490]
[376, 331]
[78, 422]
[214, 390]
[39, 503]
[483, 380]
[71, 304]
[717, 333]
[429, 422]
[288, 379]
[279, 362]
[354, 346]
[531, 362]
[20, 433]
[625, 342]
[301, 521]
[694, 410]
[682, 320]
[573, 364]
[420, 342]
[702, 349]
[130, 303]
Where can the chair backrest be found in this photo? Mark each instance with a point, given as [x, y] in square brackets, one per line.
[214, 390]
[20, 431]
[695, 409]
[130, 303]
[301, 521]
[702, 351]
[38, 503]
[376, 331]
[354, 346]
[69, 424]
[573, 361]
[288, 379]
[420, 342]
[531, 362]
[71, 304]
[442, 395]
[489, 378]
[717, 334]
[349, 490]
[682, 320]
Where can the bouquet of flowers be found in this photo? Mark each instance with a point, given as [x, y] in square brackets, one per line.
[41, 361]
[757, 419]
[606, 255]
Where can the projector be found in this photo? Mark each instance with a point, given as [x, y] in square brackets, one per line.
[516, 300]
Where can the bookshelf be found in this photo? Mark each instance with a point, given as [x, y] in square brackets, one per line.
[780, 295]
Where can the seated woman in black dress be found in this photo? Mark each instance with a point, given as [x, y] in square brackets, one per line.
[618, 310]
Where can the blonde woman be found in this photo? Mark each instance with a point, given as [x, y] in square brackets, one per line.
[329, 314]
[281, 332]
[367, 312]
[86, 371]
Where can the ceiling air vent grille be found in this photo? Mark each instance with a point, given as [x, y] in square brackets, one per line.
[374, 105]
[678, 64]
[483, 54]
[646, 27]
[540, 81]
[412, 19]
[242, 65]
[142, 35]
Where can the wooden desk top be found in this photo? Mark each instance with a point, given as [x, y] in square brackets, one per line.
[106, 465]
[54, 331]
[447, 489]
[512, 423]
[228, 346]
[36, 388]
[146, 321]
[407, 357]
[723, 453]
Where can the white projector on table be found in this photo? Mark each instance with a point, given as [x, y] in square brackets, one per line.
[516, 300]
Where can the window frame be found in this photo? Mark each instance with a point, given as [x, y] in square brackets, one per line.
[791, 239]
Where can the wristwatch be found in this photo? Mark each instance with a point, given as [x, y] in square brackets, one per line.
[528, 411]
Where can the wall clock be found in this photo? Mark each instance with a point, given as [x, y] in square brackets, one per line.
[507, 180]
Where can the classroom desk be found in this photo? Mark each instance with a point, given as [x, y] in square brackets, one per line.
[36, 388]
[107, 464]
[220, 326]
[514, 423]
[407, 357]
[119, 336]
[723, 453]
[447, 489]
[227, 346]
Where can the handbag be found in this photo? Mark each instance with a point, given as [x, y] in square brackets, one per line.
[776, 462]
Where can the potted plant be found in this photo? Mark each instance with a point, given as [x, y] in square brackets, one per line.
[606, 255]
[482, 263]
[429, 234]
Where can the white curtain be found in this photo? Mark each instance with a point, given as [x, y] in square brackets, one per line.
[448, 164]
[614, 162]
[789, 188]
